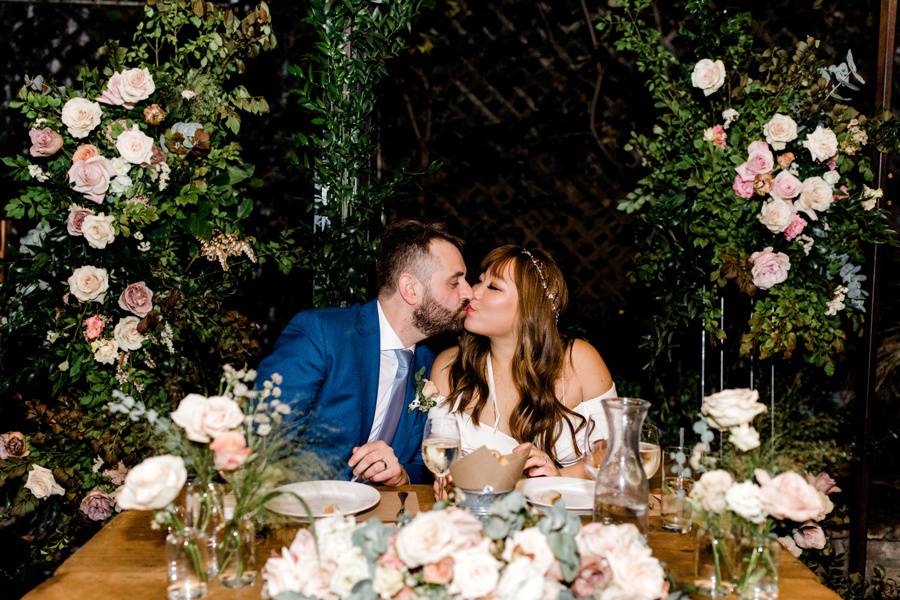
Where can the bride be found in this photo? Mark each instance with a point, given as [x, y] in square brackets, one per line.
[513, 383]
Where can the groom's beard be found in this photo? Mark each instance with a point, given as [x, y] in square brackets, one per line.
[432, 318]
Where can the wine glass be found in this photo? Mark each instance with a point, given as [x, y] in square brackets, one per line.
[594, 443]
[651, 454]
[440, 447]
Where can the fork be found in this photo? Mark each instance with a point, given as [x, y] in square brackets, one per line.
[402, 515]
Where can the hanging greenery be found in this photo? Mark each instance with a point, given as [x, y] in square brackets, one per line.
[339, 88]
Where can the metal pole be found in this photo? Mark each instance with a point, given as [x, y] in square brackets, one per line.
[859, 504]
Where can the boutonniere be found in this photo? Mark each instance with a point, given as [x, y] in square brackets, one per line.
[426, 396]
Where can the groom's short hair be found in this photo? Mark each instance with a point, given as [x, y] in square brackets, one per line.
[405, 247]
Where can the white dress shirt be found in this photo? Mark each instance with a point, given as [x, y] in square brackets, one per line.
[387, 370]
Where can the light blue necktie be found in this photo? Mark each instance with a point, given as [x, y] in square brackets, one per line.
[397, 398]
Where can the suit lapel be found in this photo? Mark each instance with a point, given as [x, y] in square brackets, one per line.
[368, 366]
[411, 421]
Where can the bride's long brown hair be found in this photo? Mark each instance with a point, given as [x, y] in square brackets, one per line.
[539, 360]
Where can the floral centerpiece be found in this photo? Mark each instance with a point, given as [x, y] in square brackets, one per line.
[513, 554]
[759, 185]
[751, 493]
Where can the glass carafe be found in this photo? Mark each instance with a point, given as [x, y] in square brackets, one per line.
[621, 494]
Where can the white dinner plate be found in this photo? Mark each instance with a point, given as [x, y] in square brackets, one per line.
[324, 498]
[577, 494]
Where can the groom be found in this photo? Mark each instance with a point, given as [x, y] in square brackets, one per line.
[348, 372]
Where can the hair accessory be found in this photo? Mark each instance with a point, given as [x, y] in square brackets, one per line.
[550, 295]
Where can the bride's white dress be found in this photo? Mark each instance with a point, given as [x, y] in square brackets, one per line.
[474, 436]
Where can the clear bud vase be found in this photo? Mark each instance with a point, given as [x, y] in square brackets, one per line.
[236, 553]
[187, 560]
[622, 493]
[715, 559]
[759, 563]
[204, 510]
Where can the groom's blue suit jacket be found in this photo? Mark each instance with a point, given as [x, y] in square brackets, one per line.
[330, 359]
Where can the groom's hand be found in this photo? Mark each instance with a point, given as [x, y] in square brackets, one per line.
[376, 462]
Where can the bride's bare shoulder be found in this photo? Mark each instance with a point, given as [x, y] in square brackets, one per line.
[589, 370]
[440, 370]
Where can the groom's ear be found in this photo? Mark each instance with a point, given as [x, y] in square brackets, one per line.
[410, 288]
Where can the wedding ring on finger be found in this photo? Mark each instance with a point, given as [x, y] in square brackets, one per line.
[384, 464]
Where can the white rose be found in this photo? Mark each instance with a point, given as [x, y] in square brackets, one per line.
[730, 408]
[89, 283]
[221, 414]
[821, 143]
[98, 230]
[520, 580]
[119, 166]
[120, 184]
[776, 214]
[153, 484]
[135, 146]
[475, 572]
[136, 85]
[730, 115]
[708, 75]
[640, 577]
[127, 335]
[351, 568]
[280, 574]
[531, 543]
[815, 195]
[599, 540]
[790, 545]
[105, 351]
[744, 437]
[709, 491]
[387, 582]
[41, 483]
[428, 538]
[831, 177]
[189, 416]
[780, 130]
[745, 499]
[81, 116]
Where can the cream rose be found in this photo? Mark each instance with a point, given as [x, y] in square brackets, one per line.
[789, 545]
[135, 85]
[88, 284]
[153, 484]
[105, 351]
[81, 116]
[709, 491]
[639, 577]
[730, 408]
[744, 437]
[789, 496]
[41, 483]
[745, 499]
[189, 416]
[708, 75]
[530, 542]
[426, 539]
[387, 582]
[475, 572]
[785, 185]
[98, 230]
[821, 143]
[815, 195]
[137, 298]
[780, 130]
[91, 177]
[135, 146]
[520, 580]
[207, 418]
[769, 268]
[776, 214]
[831, 178]
[76, 219]
[282, 574]
[127, 335]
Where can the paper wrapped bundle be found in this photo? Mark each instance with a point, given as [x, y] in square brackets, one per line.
[486, 467]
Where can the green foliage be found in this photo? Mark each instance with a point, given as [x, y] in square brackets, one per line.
[339, 89]
[179, 224]
[698, 234]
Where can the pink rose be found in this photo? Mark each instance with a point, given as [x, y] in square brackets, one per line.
[769, 268]
[137, 298]
[93, 327]
[390, 559]
[44, 142]
[113, 92]
[715, 135]
[84, 152]
[743, 187]
[809, 536]
[789, 496]
[786, 185]
[439, 573]
[117, 475]
[91, 177]
[824, 483]
[594, 573]
[795, 228]
[759, 159]
[76, 219]
[97, 505]
[230, 450]
[13, 445]
[744, 172]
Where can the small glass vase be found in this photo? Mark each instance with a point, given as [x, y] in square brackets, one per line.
[759, 561]
[204, 510]
[187, 561]
[714, 563]
[236, 552]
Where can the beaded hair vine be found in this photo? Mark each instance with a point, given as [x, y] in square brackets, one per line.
[550, 295]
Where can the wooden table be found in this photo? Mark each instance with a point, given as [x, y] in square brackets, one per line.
[126, 560]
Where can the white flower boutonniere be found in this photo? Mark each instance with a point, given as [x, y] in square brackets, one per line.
[427, 395]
